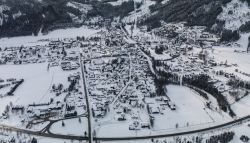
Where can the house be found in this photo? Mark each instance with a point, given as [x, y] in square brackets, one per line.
[145, 125]
[134, 126]
[70, 114]
[154, 108]
[121, 117]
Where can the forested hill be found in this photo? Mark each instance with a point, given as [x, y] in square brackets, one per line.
[26, 17]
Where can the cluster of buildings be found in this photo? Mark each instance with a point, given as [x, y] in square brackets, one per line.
[65, 101]
[119, 80]
[22, 55]
[56, 53]
[188, 50]
[106, 74]
[64, 98]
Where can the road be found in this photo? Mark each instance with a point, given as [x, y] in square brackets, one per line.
[127, 84]
[51, 122]
[204, 130]
[72, 137]
[90, 137]
[57, 136]
[125, 32]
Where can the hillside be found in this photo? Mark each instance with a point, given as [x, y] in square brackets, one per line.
[27, 17]
[18, 17]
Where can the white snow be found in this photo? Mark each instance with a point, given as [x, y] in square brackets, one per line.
[2, 8]
[140, 13]
[72, 127]
[243, 41]
[56, 34]
[240, 14]
[189, 109]
[84, 8]
[241, 107]
[118, 2]
[16, 15]
[222, 54]
[36, 83]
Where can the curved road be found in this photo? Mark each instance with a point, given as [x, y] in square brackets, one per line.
[72, 137]
[90, 137]
[209, 129]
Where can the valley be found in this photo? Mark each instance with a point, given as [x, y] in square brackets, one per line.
[122, 79]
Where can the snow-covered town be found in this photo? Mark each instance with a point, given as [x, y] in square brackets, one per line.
[117, 80]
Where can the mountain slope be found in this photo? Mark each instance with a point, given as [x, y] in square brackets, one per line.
[25, 17]
[202, 12]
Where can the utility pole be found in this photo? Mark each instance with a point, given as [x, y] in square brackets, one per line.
[248, 47]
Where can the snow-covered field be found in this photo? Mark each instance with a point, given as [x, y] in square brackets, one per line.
[243, 41]
[72, 127]
[227, 54]
[43, 39]
[240, 130]
[50, 140]
[37, 81]
[241, 107]
[190, 108]
[35, 88]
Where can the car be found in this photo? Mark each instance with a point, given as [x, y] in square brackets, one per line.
[133, 127]
[145, 125]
